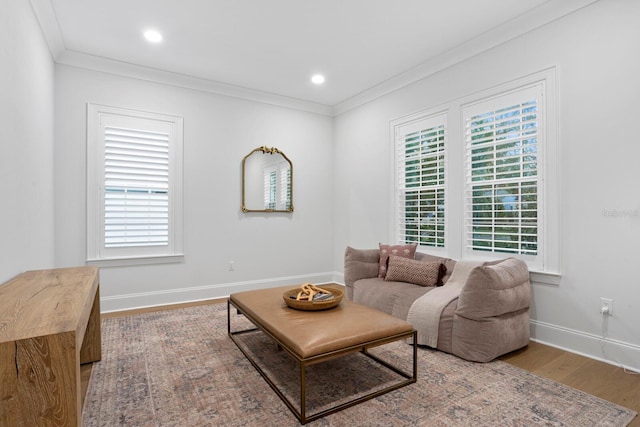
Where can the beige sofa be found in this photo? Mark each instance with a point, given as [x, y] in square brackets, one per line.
[479, 315]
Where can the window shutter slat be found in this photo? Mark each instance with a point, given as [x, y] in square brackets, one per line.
[502, 174]
[420, 166]
[136, 188]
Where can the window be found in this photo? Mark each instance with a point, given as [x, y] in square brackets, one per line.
[502, 165]
[477, 177]
[134, 189]
[420, 153]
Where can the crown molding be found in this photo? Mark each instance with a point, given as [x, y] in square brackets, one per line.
[46, 17]
[542, 15]
[110, 66]
[45, 14]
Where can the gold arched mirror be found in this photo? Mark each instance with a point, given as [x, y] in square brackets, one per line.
[267, 181]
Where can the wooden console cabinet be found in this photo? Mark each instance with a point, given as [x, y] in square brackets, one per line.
[49, 325]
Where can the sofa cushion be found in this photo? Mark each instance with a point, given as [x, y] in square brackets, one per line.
[359, 264]
[393, 298]
[405, 251]
[417, 272]
[494, 289]
[396, 298]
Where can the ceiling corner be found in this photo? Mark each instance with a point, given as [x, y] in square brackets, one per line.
[46, 16]
[532, 20]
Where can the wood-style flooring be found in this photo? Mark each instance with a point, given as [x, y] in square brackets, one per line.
[600, 379]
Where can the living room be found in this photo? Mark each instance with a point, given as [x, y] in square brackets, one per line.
[342, 158]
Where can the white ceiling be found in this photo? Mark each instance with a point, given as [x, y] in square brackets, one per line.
[272, 48]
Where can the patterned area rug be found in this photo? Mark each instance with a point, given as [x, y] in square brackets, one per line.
[179, 368]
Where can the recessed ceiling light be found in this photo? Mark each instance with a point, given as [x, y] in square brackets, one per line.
[153, 36]
[317, 79]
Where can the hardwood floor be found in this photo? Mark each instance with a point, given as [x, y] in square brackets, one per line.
[600, 379]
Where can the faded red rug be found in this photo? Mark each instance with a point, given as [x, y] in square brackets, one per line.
[179, 368]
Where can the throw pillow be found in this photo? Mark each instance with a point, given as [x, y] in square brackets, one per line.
[418, 272]
[405, 251]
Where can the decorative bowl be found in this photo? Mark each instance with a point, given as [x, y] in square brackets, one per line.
[313, 305]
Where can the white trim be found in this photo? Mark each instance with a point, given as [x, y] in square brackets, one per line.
[46, 16]
[199, 293]
[401, 129]
[549, 241]
[141, 260]
[596, 347]
[542, 15]
[545, 277]
[97, 118]
[119, 68]
[517, 99]
[394, 126]
[455, 183]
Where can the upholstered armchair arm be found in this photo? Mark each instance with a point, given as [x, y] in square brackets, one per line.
[359, 264]
[495, 289]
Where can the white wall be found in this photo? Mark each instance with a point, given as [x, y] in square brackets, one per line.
[26, 143]
[595, 52]
[267, 249]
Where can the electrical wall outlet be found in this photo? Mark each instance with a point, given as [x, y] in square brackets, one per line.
[231, 266]
[606, 306]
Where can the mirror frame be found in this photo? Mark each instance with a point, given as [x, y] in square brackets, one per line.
[265, 150]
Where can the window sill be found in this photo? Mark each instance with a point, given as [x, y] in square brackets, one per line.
[545, 278]
[129, 261]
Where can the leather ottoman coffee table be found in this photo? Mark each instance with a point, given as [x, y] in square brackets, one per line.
[312, 337]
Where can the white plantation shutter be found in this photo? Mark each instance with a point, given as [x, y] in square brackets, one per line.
[277, 186]
[285, 186]
[477, 177]
[134, 186]
[503, 188]
[270, 188]
[420, 171]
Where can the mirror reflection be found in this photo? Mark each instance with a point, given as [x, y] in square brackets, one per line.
[267, 181]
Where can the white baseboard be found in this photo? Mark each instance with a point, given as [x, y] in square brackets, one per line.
[134, 301]
[619, 353]
[605, 349]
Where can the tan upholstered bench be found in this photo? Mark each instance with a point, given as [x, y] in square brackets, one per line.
[345, 329]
